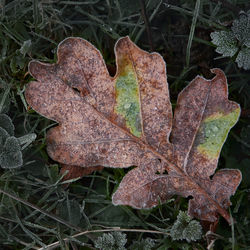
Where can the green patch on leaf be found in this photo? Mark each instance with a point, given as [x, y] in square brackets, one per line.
[214, 132]
[127, 99]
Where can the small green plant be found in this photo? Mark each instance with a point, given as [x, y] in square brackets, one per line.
[235, 42]
[10, 146]
[144, 244]
[111, 241]
[185, 228]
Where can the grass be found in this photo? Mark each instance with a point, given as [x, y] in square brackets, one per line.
[36, 209]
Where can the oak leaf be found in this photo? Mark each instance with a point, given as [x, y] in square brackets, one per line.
[126, 120]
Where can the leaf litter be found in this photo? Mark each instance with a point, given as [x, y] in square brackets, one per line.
[126, 120]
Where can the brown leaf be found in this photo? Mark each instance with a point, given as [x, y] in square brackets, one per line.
[76, 172]
[127, 119]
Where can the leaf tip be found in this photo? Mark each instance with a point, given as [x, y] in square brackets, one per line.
[218, 73]
[32, 66]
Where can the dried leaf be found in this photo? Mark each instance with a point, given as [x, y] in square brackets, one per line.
[75, 171]
[127, 119]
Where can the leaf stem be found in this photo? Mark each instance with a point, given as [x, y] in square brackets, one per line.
[114, 229]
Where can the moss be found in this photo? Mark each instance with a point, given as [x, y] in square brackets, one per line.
[128, 100]
[214, 132]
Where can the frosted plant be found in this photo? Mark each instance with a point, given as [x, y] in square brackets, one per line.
[185, 228]
[111, 241]
[10, 146]
[143, 244]
[236, 42]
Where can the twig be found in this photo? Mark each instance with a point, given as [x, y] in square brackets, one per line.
[117, 229]
[235, 9]
[52, 216]
[148, 28]
[28, 245]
